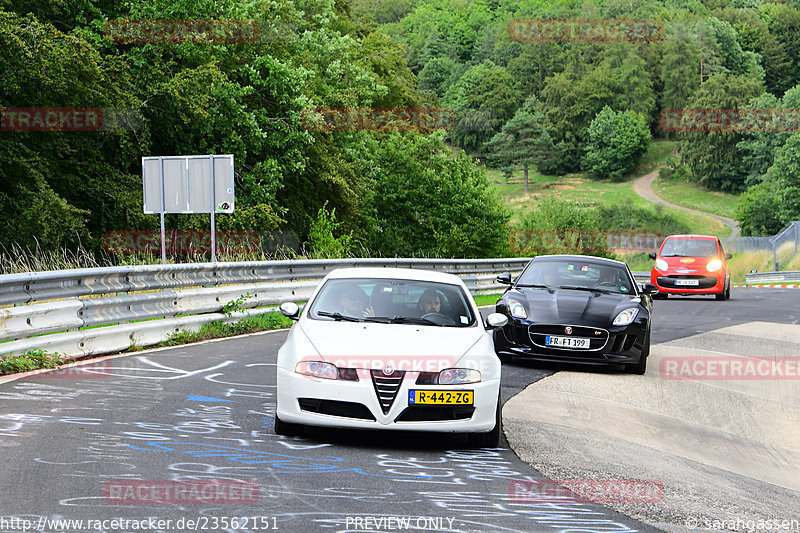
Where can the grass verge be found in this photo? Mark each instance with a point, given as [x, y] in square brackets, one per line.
[33, 360]
[217, 330]
[697, 197]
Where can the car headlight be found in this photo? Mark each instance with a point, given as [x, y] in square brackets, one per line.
[626, 317]
[517, 309]
[661, 265]
[317, 369]
[458, 376]
[714, 265]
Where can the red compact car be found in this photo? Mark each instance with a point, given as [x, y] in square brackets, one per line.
[691, 264]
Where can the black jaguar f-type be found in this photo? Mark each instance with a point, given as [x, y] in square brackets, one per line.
[575, 308]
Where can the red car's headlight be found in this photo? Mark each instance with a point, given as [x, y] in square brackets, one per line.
[714, 265]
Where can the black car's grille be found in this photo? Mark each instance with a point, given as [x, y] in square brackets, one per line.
[435, 413]
[539, 332]
[703, 282]
[336, 408]
[386, 387]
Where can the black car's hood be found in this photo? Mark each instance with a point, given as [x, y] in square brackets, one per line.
[569, 306]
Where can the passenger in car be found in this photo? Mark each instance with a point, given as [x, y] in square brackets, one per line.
[355, 303]
[429, 302]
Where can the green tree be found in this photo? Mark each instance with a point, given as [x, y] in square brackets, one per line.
[758, 210]
[570, 103]
[436, 75]
[483, 99]
[418, 200]
[616, 142]
[524, 140]
[711, 156]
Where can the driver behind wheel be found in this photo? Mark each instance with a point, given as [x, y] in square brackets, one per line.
[608, 276]
[354, 302]
[429, 302]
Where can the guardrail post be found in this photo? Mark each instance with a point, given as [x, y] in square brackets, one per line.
[774, 256]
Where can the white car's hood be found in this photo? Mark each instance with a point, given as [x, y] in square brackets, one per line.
[402, 346]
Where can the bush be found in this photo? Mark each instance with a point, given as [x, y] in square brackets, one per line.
[616, 142]
[420, 201]
[321, 242]
[625, 217]
[758, 211]
[32, 360]
[558, 227]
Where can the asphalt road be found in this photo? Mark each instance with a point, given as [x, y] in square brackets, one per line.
[94, 444]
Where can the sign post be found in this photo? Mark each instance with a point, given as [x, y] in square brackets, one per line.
[188, 184]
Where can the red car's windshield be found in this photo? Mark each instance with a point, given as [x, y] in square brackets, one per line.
[689, 248]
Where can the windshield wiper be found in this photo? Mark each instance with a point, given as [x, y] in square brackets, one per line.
[575, 288]
[338, 316]
[402, 320]
[534, 286]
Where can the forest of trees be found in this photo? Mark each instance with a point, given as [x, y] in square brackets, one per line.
[393, 193]
[726, 54]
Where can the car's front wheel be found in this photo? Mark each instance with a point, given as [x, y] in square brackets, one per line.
[641, 367]
[287, 428]
[492, 438]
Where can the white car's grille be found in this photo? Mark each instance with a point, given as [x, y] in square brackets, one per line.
[386, 387]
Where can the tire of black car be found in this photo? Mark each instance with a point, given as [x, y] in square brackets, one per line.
[641, 367]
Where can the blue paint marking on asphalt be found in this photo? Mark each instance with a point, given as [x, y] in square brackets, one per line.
[280, 463]
[206, 399]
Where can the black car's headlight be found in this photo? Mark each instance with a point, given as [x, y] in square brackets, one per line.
[625, 317]
[516, 309]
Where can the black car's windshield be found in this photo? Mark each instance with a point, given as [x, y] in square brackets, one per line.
[690, 248]
[577, 274]
[393, 301]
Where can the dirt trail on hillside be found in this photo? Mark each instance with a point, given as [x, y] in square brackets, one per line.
[644, 188]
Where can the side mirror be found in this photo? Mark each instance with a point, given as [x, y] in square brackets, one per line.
[505, 279]
[728, 255]
[650, 289]
[496, 321]
[290, 310]
[652, 255]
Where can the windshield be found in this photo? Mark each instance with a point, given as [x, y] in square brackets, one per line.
[423, 303]
[576, 274]
[689, 248]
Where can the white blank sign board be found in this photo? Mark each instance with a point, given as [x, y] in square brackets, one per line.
[187, 184]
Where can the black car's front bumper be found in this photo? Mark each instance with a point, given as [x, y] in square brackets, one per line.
[607, 345]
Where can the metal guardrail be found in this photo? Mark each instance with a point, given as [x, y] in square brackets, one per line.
[773, 277]
[38, 286]
[143, 305]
